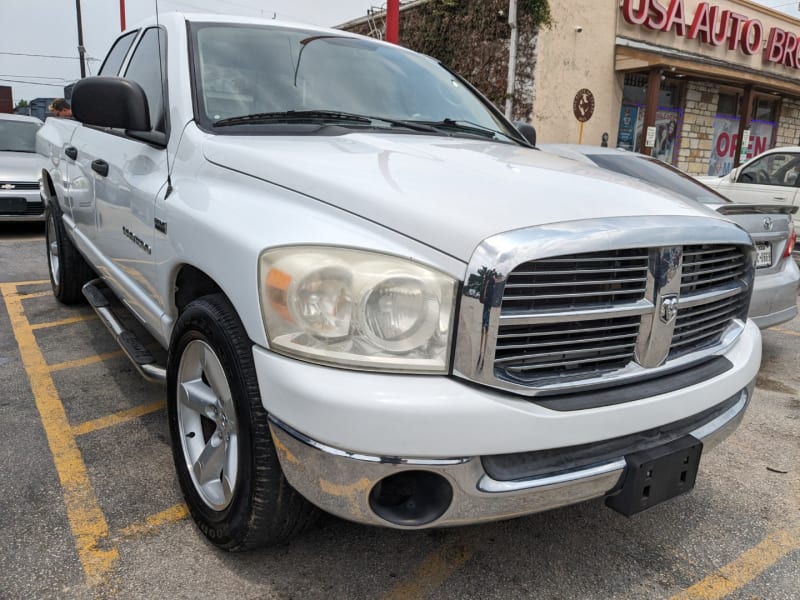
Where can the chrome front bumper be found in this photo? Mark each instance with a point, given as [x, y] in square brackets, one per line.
[340, 482]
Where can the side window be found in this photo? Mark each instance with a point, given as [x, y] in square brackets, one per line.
[116, 55]
[774, 169]
[145, 68]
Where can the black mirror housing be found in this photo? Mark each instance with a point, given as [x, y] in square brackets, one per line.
[111, 102]
[527, 130]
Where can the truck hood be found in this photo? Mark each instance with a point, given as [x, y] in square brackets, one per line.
[21, 166]
[447, 193]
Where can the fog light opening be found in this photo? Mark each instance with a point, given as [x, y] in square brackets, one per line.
[411, 498]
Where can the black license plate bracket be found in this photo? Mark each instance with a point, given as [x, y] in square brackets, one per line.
[13, 206]
[658, 474]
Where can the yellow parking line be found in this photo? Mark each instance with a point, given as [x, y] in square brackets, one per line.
[436, 568]
[35, 295]
[83, 362]
[115, 419]
[171, 515]
[86, 519]
[68, 321]
[19, 284]
[745, 568]
[786, 331]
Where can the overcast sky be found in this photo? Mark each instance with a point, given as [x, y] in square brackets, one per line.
[48, 27]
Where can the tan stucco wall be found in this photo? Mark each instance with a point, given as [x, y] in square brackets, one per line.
[569, 61]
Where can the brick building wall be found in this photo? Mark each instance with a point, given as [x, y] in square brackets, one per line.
[697, 130]
[789, 124]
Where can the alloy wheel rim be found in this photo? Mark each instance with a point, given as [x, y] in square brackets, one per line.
[207, 425]
[52, 250]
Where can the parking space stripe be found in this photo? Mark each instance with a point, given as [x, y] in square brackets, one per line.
[437, 568]
[69, 321]
[86, 519]
[785, 331]
[172, 515]
[19, 284]
[745, 568]
[35, 295]
[83, 362]
[121, 417]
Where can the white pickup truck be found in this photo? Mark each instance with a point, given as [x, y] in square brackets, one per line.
[378, 298]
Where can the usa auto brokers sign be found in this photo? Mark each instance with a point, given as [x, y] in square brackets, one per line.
[714, 26]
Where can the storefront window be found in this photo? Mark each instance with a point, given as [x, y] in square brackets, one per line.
[726, 131]
[668, 116]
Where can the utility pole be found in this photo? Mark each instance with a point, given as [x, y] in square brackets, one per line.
[81, 49]
[512, 56]
[122, 15]
[393, 21]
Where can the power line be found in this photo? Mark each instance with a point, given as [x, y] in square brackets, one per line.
[45, 56]
[39, 77]
[58, 85]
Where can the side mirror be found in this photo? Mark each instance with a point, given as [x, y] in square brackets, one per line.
[111, 102]
[527, 130]
[734, 172]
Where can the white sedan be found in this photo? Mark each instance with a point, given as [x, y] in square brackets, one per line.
[769, 178]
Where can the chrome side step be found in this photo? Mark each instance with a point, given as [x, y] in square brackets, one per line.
[140, 356]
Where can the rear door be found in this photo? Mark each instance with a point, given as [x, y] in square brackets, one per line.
[128, 175]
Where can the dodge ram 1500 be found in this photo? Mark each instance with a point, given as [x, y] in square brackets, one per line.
[377, 297]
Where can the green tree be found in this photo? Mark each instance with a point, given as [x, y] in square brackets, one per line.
[23, 104]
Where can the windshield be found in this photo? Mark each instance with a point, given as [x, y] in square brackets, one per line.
[267, 72]
[18, 136]
[660, 174]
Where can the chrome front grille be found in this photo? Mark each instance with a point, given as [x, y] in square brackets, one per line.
[570, 282]
[573, 293]
[567, 348]
[599, 303]
[707, 266]
[711, 274]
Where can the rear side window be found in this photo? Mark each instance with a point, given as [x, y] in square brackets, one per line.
[145, 68]
[116, 55]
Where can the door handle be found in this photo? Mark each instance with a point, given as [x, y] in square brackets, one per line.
[781, 198]
[71, 152]
[100, 166]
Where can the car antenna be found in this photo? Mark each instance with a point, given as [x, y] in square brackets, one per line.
[163, 98]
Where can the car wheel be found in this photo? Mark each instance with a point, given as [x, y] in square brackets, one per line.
[224, 455]
[68, 269]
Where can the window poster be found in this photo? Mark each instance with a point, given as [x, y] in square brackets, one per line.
[726, 139]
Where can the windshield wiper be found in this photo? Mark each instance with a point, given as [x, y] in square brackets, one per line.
[325, 115]
[466, 127]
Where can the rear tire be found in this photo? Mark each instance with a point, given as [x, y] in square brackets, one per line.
[224, 455]
[68, 269]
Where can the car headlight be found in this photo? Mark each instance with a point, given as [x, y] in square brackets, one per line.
[357, 309]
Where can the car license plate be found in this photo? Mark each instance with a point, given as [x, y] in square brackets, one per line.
[658, 474]
[764, 254]
[13, 206]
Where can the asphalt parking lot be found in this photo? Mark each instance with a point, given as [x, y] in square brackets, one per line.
[91, 507]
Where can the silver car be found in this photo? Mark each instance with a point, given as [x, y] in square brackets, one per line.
[771, 227]
[20, 169]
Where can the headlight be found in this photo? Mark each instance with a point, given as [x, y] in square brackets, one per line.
[357, 309]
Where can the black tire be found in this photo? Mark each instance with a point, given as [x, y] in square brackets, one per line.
[260, 508]
[68, 269]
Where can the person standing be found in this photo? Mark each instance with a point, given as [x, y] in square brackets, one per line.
[61, 108]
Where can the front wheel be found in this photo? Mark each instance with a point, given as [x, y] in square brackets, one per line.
[68, 269]
[224, 455]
